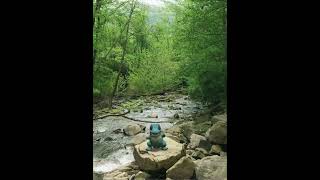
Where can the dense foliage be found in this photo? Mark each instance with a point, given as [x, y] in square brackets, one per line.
[140, 49]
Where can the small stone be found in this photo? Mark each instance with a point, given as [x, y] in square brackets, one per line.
[143, 127]
[189, 152]
[154, 115]
[141, 176]
[176, 116]
[117, 131]
[198, 155]
[215, 150]
[203, 151]
[223, 154]
[108, 139]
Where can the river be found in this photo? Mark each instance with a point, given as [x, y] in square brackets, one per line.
[111, 150]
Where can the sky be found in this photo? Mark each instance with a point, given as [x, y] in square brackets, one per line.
[154, 2]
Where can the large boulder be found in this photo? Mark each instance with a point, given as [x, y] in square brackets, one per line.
[205, 144]
[211, 167]
[158, 160]
[132, 129]
[195, 141]
[137, 139]
[187, 129]
[183, 169]
[175, 133]
[217, 134]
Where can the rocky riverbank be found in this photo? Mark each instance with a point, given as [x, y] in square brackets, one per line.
[189, 156]
[197, 143]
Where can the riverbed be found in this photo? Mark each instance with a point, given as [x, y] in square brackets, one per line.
[111, 147]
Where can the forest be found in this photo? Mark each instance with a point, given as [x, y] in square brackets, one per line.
[159, 89]
[140, 49]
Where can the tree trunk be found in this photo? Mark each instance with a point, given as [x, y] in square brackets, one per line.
[96, 15]
[123, 54]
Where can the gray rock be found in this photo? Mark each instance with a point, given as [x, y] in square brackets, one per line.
[97, 176]
[131, 130]
[174, 130]
[176, 116]
[117, 131]
[137, 139]
[143, 127]
[195, 141]
[205, 144]
[183, 169]
[142, 176]
[203, 151]
[108, 139]
[198, 155]
[189, 152]
[187, 129]
[175, 133]
[122, 173]
[222, 117]
[211, 167]
[217, 134]
[215, 150]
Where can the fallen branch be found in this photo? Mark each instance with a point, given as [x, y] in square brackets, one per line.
[138, 120]
[109, 115]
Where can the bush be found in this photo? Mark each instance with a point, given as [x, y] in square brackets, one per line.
[153, 76]
[209, 84]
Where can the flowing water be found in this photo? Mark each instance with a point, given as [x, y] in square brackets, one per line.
[111, 150]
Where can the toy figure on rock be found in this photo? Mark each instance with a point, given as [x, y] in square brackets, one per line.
[156, 138]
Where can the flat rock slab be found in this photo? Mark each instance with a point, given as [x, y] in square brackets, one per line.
[160, 159]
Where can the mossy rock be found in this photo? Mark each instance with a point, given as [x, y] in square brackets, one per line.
[201, 128]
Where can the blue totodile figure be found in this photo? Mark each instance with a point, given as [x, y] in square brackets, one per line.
[156, 138]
